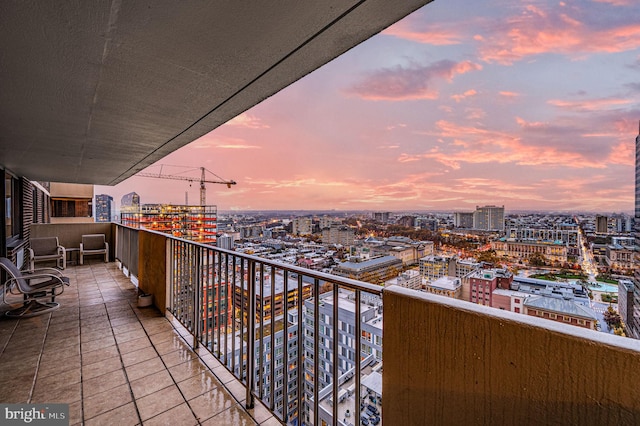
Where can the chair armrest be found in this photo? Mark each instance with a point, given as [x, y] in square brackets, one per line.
[30, 251]
[42, 271]
[61, 250]
[9, 283]
[106, 246]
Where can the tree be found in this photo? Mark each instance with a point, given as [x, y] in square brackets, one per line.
[612, 318]
[488, 256]
[537, 259]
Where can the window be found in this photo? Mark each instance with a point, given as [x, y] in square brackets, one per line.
[71, 208]
[12, 207]
[516, 310]
[553, 316]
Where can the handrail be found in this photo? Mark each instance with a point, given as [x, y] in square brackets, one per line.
[257, 317]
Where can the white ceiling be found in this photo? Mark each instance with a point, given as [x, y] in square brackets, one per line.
[94, 91]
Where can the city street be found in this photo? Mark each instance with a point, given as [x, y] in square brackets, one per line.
[600, 308]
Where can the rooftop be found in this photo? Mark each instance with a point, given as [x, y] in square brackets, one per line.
[561, 306]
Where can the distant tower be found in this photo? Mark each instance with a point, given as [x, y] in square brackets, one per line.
[489, 218]
[105, 208]
[130, 203]
[634, 326]
[602, 224]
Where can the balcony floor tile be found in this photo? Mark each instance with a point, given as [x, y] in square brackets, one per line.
[112, 362]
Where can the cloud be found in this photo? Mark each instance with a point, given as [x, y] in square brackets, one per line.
[226, 143]
[535, 144]
[562, 30]
[436, 34]
[406, 83]
[238, 146]
[634, 87]
[589, 104]
[615, 2]
[464, 95]
[247, 121]
[509, 94]
[474, 113]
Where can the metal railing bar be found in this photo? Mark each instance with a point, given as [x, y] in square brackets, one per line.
[300, 346]
[316, 350]
[335, 372]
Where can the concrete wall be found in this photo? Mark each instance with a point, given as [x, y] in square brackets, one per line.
[70, 190]
[468, 364]
[152, 267]
[70, 234]
[62, 220]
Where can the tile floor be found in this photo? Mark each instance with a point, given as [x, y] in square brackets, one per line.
[114, 363]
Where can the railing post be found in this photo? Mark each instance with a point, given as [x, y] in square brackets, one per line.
[197, 305]
[251, 334]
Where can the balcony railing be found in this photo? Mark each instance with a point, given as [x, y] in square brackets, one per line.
[248, 312]
[273, 326]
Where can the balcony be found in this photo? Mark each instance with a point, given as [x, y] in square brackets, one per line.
[114, 363]
[213, 357]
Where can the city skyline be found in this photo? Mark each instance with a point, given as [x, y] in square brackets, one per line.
[530, 105]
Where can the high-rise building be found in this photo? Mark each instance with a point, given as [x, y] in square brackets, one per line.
[225, 241]
[634, 325]
[463, 219]
[370, 352]
[195, 223]
[105, 208]
[489, 218]
[602, 224]
[302, 226]
[338, 234]
[381, 216]
[130, 203]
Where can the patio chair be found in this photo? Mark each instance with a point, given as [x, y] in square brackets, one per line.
[47, 248]
[34, 286]
[94, 244]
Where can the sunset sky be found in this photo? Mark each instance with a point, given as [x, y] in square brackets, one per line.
[530, 105]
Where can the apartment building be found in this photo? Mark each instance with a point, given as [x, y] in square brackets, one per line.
[302, 226]
[520, 250]
[339, 235]
[370, 350]
[376, 270]
[105, 208]
[433, 267]
[489, 218]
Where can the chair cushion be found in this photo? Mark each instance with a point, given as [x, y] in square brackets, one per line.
[44, 246]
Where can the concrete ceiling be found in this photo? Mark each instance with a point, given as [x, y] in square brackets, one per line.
[95, 91]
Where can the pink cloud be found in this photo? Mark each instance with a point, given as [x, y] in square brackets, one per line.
[589, 104]
[435, 34]
[474, 145]
[615, 2]
[406, 83]
[537, 31]
[223, 143]
[247, 121]
[464, 95]
[509, 94]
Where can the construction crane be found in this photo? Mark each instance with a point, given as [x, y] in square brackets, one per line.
[203, 180]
